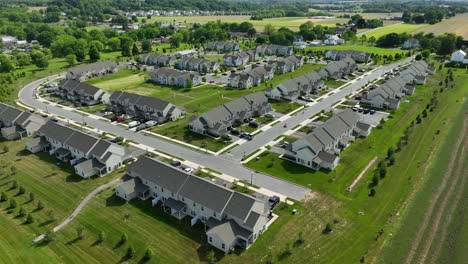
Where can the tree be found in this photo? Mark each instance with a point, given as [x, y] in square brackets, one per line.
[418, 57]
[363, 38]
[21, 212]
[391, 160]
[372, 192]
[130, 252]
[126, 45]
[375, 180]
[14, 185]
[39, 206]
[3, 197]
[79, 233]
[269, 29]
[146, 45]
[94, 54]
[49, 237]
[372, 40]
[210, 256]
[114, 44]
[328, 229]
[101, 237]
[189, 83]
[148, 254]
[23, 59]
[29, 219]
[390, 152]
[175, 40]
[13, 204]
[383, 170]
[71, 59]
[41, 61]
[98, 44]
[6, 65]
[123, 239]
[135, 50]
[426, 53]
[21, 191]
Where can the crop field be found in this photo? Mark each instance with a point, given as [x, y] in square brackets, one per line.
[358, 47]
[292, 23]
[395, 28]
[457, 25]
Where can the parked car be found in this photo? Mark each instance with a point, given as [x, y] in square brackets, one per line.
[372, 111]
[246, 135]
[151, 123]
[117, 139]
[307, 99]
[176, 163]
[133, 124]
[235, 132]
[141, 127]
[211, 81]
[253, 124]
[188, 170]
[227, 137]
[53, 119]
[119, 119]
[273, 201]
[224, 74]
[61, 102]
[284, 144]
[366, 111]
[44, 115]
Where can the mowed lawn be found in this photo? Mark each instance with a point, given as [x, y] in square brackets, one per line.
[196, 100]
[457, 25]
[395, 28]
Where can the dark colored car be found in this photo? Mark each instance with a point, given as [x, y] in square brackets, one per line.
[53, 119]
[176, 163]
[253, 124]
[141, 127]
[235, 132]
[273, 201]
[246, 135]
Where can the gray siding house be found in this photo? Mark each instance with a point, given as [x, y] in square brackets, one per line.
[197, 64]
[389, 94]
[357, 56]
[173, 77]
[158, 60]
[236, 60]
[17, 124]
[231, 219]
[338, 69]
[219, 120]
[253, 77]
[320, 148]
[291, 89]
[88, 155]
[139, 106]
[84, 72]
[417, 72]
[287, 64]
[223, 46]
[278, 50]
[80, 93]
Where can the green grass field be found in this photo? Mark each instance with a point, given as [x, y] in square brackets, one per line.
[395, 28]
[196, 100]
[358, 47]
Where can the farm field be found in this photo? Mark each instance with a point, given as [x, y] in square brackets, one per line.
[358, 47]
[456, 25]
[196, 100]
[395, 28]
[378, 213]
[292, 23]
[440, 193]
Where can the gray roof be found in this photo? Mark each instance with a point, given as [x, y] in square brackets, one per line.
[56, 131]
[227, 230]
[206, 193]
[133, 185]
[89, 165]
[100, 148]
[140, 101]
[10, 114]
[92, 67]
[327, 157]
[79, 87]
[239, 206]
[82, 142]
[174, 204]
[158, 173]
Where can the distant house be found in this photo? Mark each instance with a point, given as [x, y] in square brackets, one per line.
[253, 77]
[218, 120]
[197, 64]
[411, 43]
[9, 41]
[357, 56]
[338, 69]
[299, 42]
[291, 89]
[223, 46]
[320, 148]
[17, 124]
[333, 40]
[80, 93]
[158, 60]
[271, 49]
[315, 43]
[287, 64]
[173, 77]
[459, 56]
[389, 94]
[84, 72]
[416, 72]
[148, 108]
[185, 53]
[89, 156]
[236, 60]
[231, 218]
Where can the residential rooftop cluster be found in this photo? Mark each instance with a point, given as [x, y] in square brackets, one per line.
[172, 77]
[17, 124]
[86, 71]
[231, 218]
[253, 77]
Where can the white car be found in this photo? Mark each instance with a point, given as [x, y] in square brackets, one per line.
[188, 170]
[151, 123]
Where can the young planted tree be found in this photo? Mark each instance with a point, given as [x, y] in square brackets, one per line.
[39, 206]
[101, 237]
[148, 254]
[21, 191]
[210, 256]
[32, 197]
[13, 204]
[14, 185]
[29, 219]
[21, 212]
[79, 233]
[123, 239]
[130, 252]
[372, 192]
[328, 229]
[3, 197]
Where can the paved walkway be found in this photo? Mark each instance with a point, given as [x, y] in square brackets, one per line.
[363, 172]
[80, 207]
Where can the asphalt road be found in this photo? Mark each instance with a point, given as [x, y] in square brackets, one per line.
[223, 164]
[265, 137]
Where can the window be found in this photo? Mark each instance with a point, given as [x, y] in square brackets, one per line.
[194, 204]
[214, 214]
[183, 199]
[210, 239]
[223, 246]
[162, 189]
[172, 194]
[202, 208]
